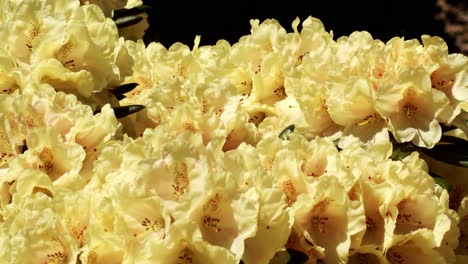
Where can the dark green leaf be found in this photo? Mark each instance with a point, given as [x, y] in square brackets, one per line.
[446, 128]
[123, 111]
[442, 182]
[137, 10]
[455, 154]
[402, 150]
[127, 21]
[453, 140]
[284, 134]
[121, 89]
[297, 256]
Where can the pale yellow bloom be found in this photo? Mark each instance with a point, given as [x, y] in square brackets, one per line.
[9, 74]
[312, 38]
[184, 243]
[7, 147]
[323, 217]
[32, 232]
[412, 108]
[414, 247]
[57, 42]
[367, 254]
[351, 104]
[48, 153]
[91, 132]
[273, 227]
[265, 38]
[141, 217]
[462, 249]
[451, 75]
[224, 216]
[308, 83]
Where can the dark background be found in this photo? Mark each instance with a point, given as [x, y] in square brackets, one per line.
[178, 21]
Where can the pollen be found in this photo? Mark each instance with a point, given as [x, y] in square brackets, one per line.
[77, 230]
[257, 69]
[410, 110]
[30, 122]
[369, 119]
[211, 222]
[57, 254]
[181, 181]
[204, 105]
[180, 70]
[46, 157]
[268, 162]
[5, 145]
[280, 92]
[56, 258]
[185, 256]
[322, 205]
[403, 203]
[32, 31]
[395, 257]
[63, 53]
[144, 81]
[290, 192]
[441, 81]
[319, 222]
[213, 203]
[189, 126]
[92, 257]
[256, 118]
[404, 218]
[150, 225]
[370, 224]
[322, 106]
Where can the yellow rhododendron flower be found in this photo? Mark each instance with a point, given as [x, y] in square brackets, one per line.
[462, 249]
[33, 232]
[352, 106]
[451, 75]
[416, 246]
[312, 38]
[411, 108]
[225, 216]
[8, 74]
[323, 217]
[281, 142]
[273, 227]
[48, 153]
[141, 217]
[183, 243]
[308, 83]
[274, 219]
[7, 147]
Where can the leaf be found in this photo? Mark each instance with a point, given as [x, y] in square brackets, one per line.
[121, 89]
[284, 134]
[453, 140]
[402, 150]
[137, 10]
[446, 128]
[127, 21]
[451, 153]
[123, 111]
[442, 182]
[297, 256]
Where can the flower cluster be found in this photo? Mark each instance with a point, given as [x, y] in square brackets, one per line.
[114, 151]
